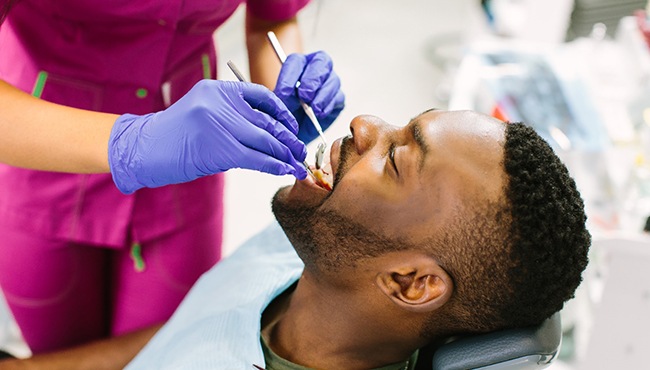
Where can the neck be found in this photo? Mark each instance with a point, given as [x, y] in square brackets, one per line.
[322, 327]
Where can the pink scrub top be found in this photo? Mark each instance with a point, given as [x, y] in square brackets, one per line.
[119, 56]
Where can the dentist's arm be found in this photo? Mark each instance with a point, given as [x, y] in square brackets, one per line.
[216, 126]
[40, 135]
[263, 63]
[107, 354]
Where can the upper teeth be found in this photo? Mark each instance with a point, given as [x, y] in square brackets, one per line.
[327, 172]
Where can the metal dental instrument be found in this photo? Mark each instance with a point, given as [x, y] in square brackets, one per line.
[236, 71]
[241, 78]
[320, 151]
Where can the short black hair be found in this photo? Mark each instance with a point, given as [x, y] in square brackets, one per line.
[515, 261]
[549, 238]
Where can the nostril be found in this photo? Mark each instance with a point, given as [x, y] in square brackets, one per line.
[364, 132]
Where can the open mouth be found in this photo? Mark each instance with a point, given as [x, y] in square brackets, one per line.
[314, 190]
[324, 177]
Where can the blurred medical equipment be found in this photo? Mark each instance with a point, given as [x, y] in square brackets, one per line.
[518, 83]
[587, 13]
[555, 20]
[282, 56]
[618, 330]
[532, 20]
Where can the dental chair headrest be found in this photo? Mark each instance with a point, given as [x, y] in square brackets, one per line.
[520, 349]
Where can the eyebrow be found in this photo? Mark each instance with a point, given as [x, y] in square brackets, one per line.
[415, 127]
[416, 131]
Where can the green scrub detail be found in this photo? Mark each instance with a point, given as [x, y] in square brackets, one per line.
[40, 84]
[205, 61]
[141, 93]
[136, 256]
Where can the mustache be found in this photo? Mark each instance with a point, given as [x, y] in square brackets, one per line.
[347, 146]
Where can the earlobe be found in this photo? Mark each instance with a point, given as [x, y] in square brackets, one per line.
[419, 288]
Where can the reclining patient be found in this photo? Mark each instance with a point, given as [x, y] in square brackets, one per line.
[455, 223]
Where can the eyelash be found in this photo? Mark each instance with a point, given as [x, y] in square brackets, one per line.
[391, 156]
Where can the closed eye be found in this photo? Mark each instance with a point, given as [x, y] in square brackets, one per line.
[391, 157]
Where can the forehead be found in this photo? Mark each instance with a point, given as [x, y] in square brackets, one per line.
[466, 125]
[463, 165]
[465, 143]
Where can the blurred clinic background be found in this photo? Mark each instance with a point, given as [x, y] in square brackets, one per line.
[577, 70]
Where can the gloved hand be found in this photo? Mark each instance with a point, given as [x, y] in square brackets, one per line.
[320, 88]
[216, 126]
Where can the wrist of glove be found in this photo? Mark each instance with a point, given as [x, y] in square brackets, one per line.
[123, 162]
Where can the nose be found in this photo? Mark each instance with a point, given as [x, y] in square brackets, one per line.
[365, 131]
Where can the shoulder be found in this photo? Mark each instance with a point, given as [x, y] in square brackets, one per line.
[227, 299]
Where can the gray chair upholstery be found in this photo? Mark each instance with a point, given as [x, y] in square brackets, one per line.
[521, 349]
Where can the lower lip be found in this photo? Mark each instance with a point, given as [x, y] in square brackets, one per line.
[307, 192]
[310, 182]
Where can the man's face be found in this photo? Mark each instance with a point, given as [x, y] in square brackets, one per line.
[394, 184]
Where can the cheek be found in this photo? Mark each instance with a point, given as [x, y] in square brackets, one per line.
[354, 196]
[362, 190]
[383, 208]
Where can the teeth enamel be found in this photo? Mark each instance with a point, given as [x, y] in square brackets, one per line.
[327, 172]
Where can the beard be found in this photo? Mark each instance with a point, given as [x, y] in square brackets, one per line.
[325, 239]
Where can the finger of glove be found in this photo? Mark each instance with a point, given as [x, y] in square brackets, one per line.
[263, 163]
[316, 73]
[329, 119]
[265, 139]
[290, 73]
[333, 108]
[262, 99]
[278, 133]
[329, 93]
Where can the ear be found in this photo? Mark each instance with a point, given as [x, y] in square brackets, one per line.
[416, 282]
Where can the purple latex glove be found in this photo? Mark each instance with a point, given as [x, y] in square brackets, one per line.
[320, 88]
[216, 126]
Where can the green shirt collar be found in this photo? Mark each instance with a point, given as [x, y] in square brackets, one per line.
[275, 362]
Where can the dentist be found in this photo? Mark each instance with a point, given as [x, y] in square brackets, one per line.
[130, 87]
